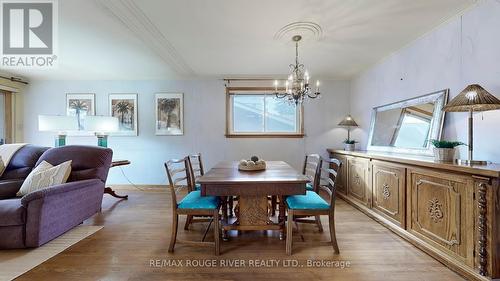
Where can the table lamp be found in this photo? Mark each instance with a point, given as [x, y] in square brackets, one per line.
[101, 126]
[58, 123]
[349, 123]
[472, 98]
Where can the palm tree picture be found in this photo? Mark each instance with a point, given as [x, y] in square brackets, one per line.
[169, 114]
[80, 105]
[124, 107]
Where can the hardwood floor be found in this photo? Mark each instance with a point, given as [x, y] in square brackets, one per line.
[138, 231]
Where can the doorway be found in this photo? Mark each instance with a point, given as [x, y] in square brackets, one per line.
[5, 117]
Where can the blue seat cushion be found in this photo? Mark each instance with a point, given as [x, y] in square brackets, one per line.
[309, 186]
[197, 186]
[194, 200]
[310, 201]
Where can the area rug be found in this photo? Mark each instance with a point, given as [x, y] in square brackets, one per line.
[14, 263]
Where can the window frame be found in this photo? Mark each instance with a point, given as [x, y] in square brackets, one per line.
[231, 91]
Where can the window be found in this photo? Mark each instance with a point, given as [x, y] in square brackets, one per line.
[256, 112]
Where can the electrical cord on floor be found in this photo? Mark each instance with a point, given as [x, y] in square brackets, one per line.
[129, 181]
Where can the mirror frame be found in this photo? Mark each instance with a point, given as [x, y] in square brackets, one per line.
[440, 97]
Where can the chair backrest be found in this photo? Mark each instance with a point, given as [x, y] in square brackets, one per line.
[88, 162]
[311, 169]
[195, 166]
[178, 173]
[330, 168]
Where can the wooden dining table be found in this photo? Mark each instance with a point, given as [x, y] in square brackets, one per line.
[252, 189]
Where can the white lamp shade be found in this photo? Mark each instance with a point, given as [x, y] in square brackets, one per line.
[101, 124]
[57, 123]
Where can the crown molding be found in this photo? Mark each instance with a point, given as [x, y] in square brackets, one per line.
[132, 17]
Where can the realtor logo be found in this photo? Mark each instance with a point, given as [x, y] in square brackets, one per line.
[28, 33]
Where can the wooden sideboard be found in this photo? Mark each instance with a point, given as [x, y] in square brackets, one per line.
[451, 212]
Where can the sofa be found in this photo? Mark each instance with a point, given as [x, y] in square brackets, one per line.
[43, 215]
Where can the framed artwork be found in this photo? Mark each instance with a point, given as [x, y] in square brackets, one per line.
[80, 105]
[169, 114]
[124, 107]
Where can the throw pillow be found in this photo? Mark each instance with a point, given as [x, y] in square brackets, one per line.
[2, 166]
[45, 175]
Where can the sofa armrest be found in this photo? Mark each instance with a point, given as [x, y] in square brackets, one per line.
[9, 188]
[57, 189]
[53, 211]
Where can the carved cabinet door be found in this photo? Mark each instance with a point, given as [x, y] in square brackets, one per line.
[440, 213]
[389, 191]
[357, 183]
[341, 185]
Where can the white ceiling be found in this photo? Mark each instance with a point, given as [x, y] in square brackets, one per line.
[158, 39]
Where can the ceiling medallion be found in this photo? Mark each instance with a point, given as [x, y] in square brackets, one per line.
[297, 87]
[308, 30]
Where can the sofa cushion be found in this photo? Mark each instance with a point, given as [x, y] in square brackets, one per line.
[9, 188]
[45, 175]
[89, 162]
[12, 212]
[23, 161]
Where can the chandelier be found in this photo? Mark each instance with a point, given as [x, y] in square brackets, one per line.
[297, 87]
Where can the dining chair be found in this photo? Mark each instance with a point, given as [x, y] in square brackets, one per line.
[193, 204]
[196, 171]
[311, 169]
[312, 204]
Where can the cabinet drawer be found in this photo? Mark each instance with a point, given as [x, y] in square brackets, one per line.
[389, 186]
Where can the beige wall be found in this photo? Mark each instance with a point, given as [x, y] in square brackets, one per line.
[204, 125]
[463, 51]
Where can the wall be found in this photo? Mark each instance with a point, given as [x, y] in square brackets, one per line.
[463, 51]
[204, 118]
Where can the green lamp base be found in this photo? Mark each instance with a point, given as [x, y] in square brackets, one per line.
[60, 141]
[102, 140]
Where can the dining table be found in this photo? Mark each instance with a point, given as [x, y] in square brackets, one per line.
[252, 190]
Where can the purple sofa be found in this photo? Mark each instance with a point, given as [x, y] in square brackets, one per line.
[43, 215]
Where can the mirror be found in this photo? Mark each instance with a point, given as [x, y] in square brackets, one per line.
[408, 126]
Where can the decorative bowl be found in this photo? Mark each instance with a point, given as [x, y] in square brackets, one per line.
[249, 165]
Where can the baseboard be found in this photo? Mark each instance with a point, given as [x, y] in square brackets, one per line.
[144, 187]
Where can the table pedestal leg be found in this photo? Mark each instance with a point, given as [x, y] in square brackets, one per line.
[253, 211]
[282, 216]
[223, 200]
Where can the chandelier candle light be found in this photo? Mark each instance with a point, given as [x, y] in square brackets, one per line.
[297, 87]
